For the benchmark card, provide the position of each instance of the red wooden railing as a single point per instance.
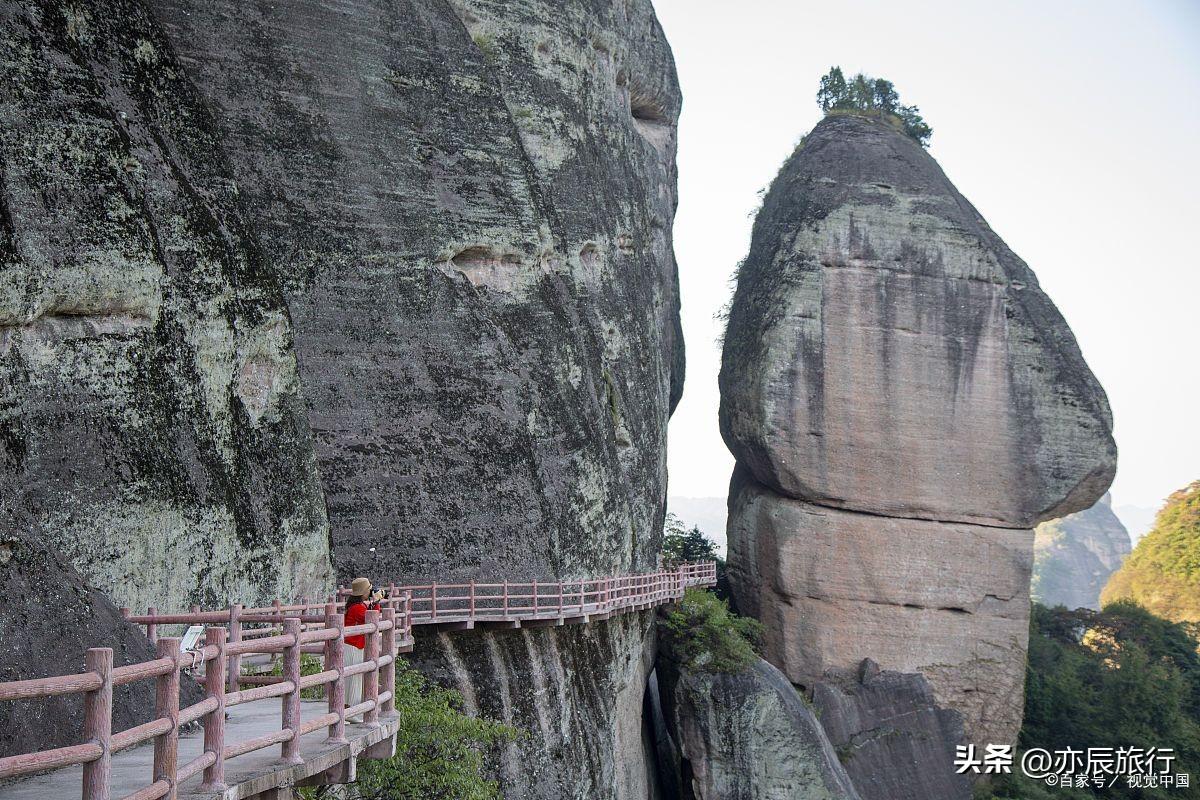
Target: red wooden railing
(290, 630)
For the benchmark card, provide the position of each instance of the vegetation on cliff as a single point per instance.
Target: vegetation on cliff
(1118, 678)
(439, 750)
(682, 544)
(702, 634)
(1163, 572)
(863, 94)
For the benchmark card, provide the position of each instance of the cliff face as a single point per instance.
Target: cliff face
(151, 421)
(894, 741)
(748, 736)
(904, 403)
(390, 285)
(1073, 557)
(483, 292)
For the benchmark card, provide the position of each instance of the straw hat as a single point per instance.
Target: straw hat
(360, 587)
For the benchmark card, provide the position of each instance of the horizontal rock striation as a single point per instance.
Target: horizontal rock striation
(904, 403)
(948, 600)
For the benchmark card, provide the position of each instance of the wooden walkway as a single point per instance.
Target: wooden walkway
(241, 713)
(257, 774)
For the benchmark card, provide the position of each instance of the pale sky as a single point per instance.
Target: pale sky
(1074, 128)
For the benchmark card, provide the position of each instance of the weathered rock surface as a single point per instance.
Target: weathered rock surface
(748, 736)
(893, 739)
(471, 205)
(50, 619)
(151, 422)
(886, 352)
(904, 403)
(1073, 557)
(392, 283)
(832, 587)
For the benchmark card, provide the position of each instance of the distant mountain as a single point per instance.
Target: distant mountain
(1138, 520)
(1075, 555)
(708, 513)
(1163, 573)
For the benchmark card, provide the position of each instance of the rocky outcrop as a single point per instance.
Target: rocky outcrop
(1073, 557)
(152, 427)
(904, 403)
(393, 278)
(946, 599)
(50, 619)
(893, 739)
(748, 736)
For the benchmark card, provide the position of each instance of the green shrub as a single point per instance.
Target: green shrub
(439, 749)
(869, 96)
(309, 665)
(681, 544)
(704, 635)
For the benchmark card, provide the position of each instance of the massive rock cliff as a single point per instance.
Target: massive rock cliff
(904, 403)
(390, 284)
(152, 427)
(1073, 557)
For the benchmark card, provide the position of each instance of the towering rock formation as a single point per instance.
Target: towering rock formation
(904, 404)
(390, 283)
(1073, 557)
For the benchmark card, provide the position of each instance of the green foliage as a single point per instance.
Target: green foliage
(704, 635)
(1121, 677)
(681, 543)
(863, 94)
(439, 749)
(1163, 571)
(309, 665)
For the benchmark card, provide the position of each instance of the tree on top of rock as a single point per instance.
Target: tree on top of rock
(863, 94)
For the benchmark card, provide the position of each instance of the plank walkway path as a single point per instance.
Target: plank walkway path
(241, 713)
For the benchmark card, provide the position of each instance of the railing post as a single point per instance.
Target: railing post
(152, 627)
(235, 635)
(371, 677)
(291, 700)
(276, 604)
(335, 660)
(472, 611)
(560, 593)
(214, 723)
(506, 597)
(535, 604)
(389, 674)
(433, 601)
(166, 706)
(97, 724)
(408, 614)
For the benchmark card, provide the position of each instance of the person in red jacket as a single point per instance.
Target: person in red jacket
(362, 598)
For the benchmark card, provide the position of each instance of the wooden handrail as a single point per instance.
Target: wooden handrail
(293, 629)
